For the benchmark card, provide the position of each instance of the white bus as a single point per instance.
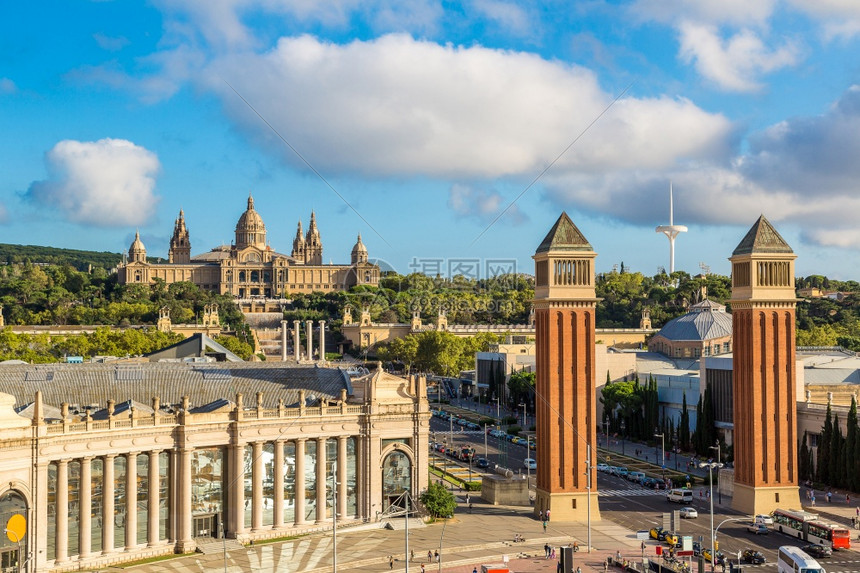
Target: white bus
(791, 559)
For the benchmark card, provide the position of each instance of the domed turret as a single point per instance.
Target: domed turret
(359, 252)
(137, 252)
(250, 230)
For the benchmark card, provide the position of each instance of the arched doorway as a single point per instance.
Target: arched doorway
(396, 479)
(13, 543)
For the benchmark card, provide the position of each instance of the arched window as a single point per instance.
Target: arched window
(396, 478)
(241, 276)
(13, 515)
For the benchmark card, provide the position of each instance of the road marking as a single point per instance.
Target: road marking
(630, 492)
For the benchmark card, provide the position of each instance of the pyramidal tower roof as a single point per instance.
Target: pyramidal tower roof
(564, 236)
(762, 238)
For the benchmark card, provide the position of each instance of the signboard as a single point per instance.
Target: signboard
(667, 521)
(687, 543)
(642, 535)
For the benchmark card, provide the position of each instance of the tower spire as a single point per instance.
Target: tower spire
(671, 231)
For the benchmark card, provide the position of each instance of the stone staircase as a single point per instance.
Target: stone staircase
(212, 546)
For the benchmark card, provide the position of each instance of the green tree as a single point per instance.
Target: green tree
(438, 500)
(521, 387)
(824, 452)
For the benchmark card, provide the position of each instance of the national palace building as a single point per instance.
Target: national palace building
(116, 462)
(249, 268)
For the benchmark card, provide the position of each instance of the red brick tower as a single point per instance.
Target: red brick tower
(765, 384)
(564, 335)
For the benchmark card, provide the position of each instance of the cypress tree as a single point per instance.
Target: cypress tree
(850, 467)
(835, 454)
(697, 436)
(684, 426)
(803, 460)
(823, 461)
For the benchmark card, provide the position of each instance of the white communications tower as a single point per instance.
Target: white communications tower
(671, 231)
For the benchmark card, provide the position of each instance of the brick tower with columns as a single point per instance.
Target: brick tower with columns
(764, 372)
(564, 306)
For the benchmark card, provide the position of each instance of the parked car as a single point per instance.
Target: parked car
(817, 550)
(720, 559)
(602, 467)
(689, 513)
(622, 472)
(753, 556)
(658, 533)
(758, 529)
(764, 519)
(482, 463)
(530, 463)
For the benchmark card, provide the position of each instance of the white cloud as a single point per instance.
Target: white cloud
(7, 86)
(482, 204)
(106, 183)
(109, 43)
(734, 64)
(398, 106)
(743, 13)
(506, 15)
(839, 18)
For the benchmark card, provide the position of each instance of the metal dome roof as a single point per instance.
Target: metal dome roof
(706, 320)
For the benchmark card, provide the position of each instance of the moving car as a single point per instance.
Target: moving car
(720, 560)
(658, 533)
(672, 539)
(764, 519)
(689, 513)
(482, 462)
(753, 556)
(758, 529)
(530, 463)
(817, 550)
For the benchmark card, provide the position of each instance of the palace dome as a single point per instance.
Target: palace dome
(250, 229)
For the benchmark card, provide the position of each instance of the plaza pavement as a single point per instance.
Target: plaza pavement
(469, 540)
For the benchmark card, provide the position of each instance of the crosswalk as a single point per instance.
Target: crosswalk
(631, 492)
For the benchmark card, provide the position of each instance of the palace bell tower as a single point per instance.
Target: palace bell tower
(565, 303)
(764, 372)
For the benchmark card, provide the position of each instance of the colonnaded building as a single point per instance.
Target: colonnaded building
(109, 463)
(249, 268)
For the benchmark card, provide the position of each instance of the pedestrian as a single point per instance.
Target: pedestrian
(579, 570)
(541, 515)
(544, 526)
(474, 570)
(857, 511)
(436, 555)
(606, 565)
(422, 568)
(813, 500)
(552, 555)
(547, 515)
(546, 550)
(412, 555)
(429, 555)
(391, 561)
(847, 499)
(829, 495)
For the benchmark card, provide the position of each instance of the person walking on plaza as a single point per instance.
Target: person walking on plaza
(547, 515)
(436, 555)
(391, 561)
(429, 555)
(546, 550)
(544, 526)
(541, 515)
(422, 568)
(412, 555)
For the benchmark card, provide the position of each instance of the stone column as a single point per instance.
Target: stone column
(321, 480)
(257, 487)
(296, 340)
(108, 504)
(342, 466)
(278, 509)
(86, 509)
(361, 502)
(309, 333)
(130, 501)
(300, 481)
(62, 511)
(185, 534)
(322, 341)
(154, 492)
(283, 341)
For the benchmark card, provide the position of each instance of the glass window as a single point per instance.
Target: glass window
(268, 483)
(142, 462)
(164, 496)
(119, 494)
(396, 478)
(97, 486)
(52, 511)
(289, 482)
(351, 477)
(207, 481)
(74, 511)
(310, 480)
(249, 489)
(12, 503)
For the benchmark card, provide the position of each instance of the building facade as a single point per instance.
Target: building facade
(104, 481)
(250, 268)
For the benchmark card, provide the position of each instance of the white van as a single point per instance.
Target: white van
(680, 495)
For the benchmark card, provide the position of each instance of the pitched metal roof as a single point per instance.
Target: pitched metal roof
(705, 321)
(93, 383)
(564, 236)
(762, 238)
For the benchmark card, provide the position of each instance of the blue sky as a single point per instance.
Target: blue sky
(427, 120)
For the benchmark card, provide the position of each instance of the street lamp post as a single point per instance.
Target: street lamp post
(663, 449)
(719, 461)
(622, 437)
(523, 406)
(711, 467)
(18, 541)
(498, 413)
